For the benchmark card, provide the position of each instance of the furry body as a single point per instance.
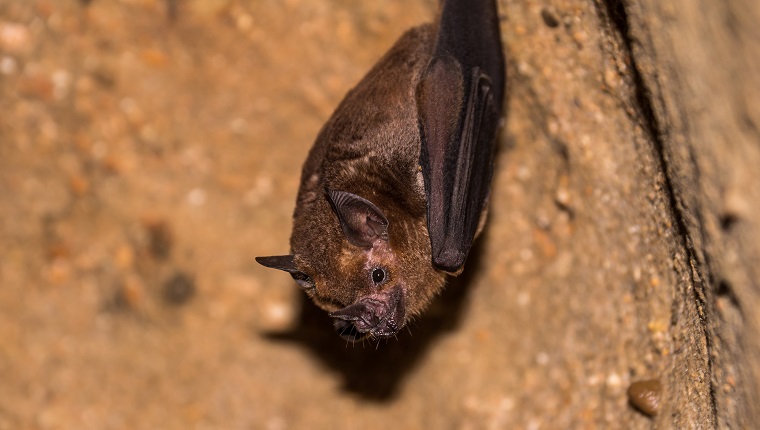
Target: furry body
(395, 189)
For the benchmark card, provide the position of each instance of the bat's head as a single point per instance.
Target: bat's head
(370, 268)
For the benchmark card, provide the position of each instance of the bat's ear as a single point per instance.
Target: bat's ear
(361, 221)
(287, 263)
(280, 262)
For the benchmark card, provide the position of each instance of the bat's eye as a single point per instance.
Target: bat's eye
(303, 280)
(378, 276)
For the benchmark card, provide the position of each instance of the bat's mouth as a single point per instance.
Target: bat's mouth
(379, 315)
(348, 331)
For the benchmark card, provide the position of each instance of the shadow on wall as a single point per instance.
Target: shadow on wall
(374, 370)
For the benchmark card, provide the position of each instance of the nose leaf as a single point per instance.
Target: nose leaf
(380, 314)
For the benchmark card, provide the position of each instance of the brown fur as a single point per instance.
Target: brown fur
(395, 189)
(370, 147)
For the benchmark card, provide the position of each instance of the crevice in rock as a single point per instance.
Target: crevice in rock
(614, 14)
(728, 220)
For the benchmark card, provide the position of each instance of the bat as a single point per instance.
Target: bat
(395, 189)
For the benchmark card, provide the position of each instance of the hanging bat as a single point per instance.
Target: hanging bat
(395, 189)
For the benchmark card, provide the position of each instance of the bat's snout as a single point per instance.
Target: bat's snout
(380, 314)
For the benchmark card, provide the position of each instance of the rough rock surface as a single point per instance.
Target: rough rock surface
(149, 149)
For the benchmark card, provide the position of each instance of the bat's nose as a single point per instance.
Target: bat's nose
(380, 314)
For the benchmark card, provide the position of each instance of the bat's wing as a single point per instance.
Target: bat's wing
(459, 100)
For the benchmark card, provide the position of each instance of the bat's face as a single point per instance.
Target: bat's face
(368, 267)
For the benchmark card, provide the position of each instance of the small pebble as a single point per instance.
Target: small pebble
(8, 65)
(179, 289)
(61, 80)
(550, 19)
(277, 315)
(523, 299)
(196, 197)
(160, 239)
(645, 396)
(130, 294)
(15, 38)
(613, 380)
